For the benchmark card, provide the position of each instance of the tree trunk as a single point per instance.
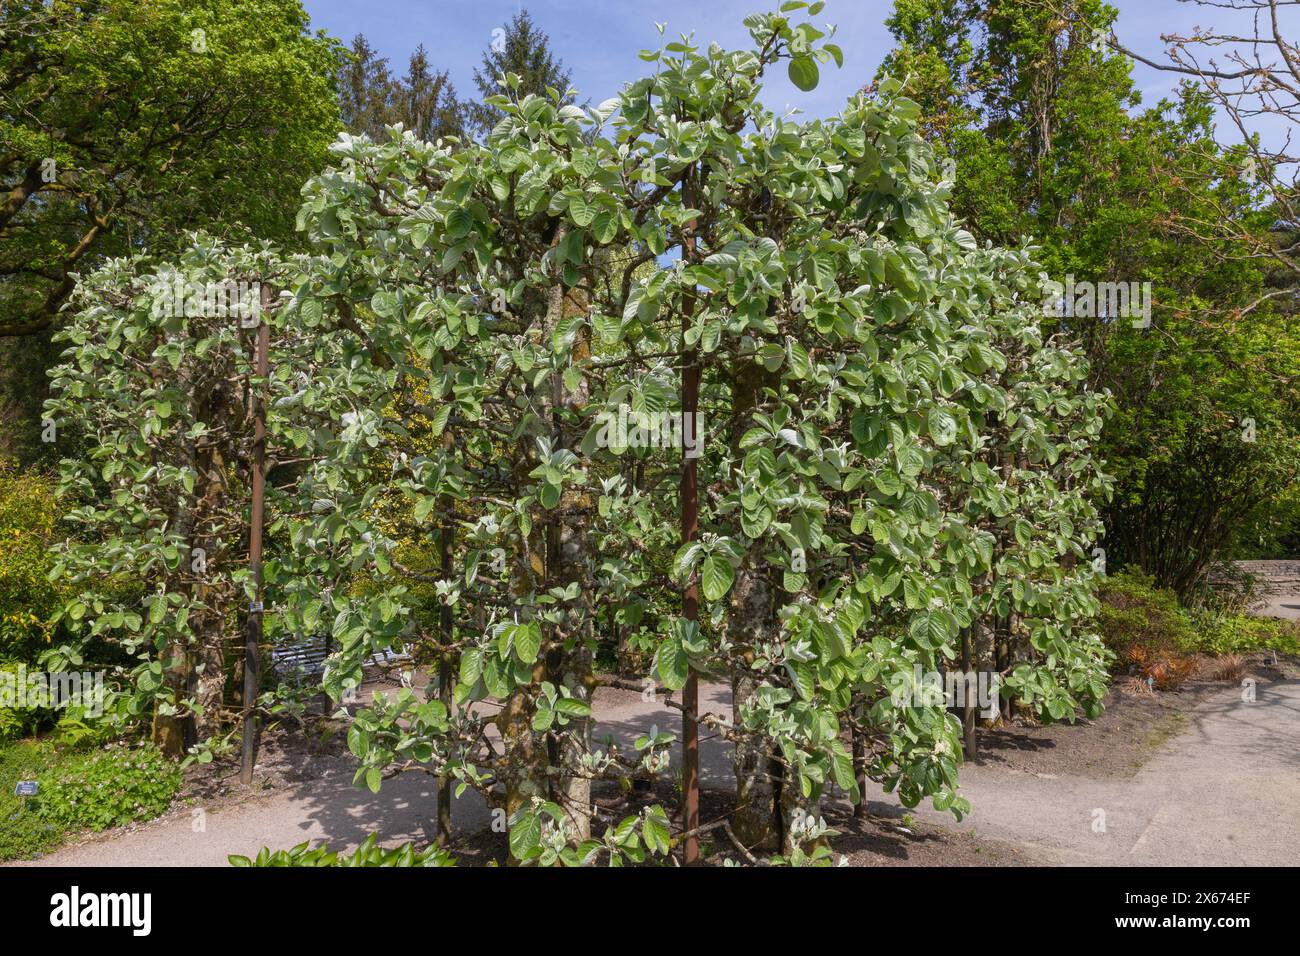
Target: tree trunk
(860, 762)
(209, 682)
(445, 671)
(969, 707)
(756, 822)
(574, 791)
(170, 731)
(209, 677)
(524, 764)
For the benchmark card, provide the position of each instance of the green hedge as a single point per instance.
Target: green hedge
(1236, 633)
(1134, 612)
(1141, 622)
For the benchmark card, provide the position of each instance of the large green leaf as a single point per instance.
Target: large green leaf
(804, 73)
(716, 577)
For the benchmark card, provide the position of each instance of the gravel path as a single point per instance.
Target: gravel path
(1226, 790)
(333, 810)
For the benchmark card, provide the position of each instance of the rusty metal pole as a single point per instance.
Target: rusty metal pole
(446, 671)
(253, 630)
(690, 531)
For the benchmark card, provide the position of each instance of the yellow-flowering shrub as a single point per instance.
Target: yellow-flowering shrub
(28, 515)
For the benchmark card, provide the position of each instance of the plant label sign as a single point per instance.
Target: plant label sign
(26, 788)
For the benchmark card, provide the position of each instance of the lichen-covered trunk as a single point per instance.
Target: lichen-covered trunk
(209, 675)
(555, 553)
(567, 561)
(170, 730)
(209, 622)
(797, 811)
(572, 668)
(574, 790)
(523, 767)
(755, 821)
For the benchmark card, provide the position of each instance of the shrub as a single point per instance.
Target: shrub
(1237, 633)
(1136, 612)
(18, 722)
(1148, 630)
(77, 731)
(367, 854)
(1170, 673)
(1229, 667)
(848, 492)
(1152, 634)
(28, 601)
(112, 787)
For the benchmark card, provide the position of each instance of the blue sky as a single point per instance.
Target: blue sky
(599, 39)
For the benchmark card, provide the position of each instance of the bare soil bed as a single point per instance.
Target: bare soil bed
(287, 756)
(870, 841)
(1134, 724)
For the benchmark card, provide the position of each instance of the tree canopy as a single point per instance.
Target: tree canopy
(495, 358)
(896, 468)
(520, 47)
(1041, 119)
(123, 124)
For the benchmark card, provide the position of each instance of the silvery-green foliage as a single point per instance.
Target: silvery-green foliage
(913, 460)
(904, 366)
(156, 427)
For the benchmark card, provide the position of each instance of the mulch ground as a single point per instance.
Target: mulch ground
(1135, 722)
(868, 841)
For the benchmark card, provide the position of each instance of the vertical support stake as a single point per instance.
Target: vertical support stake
(253, 630)
(690, 531)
